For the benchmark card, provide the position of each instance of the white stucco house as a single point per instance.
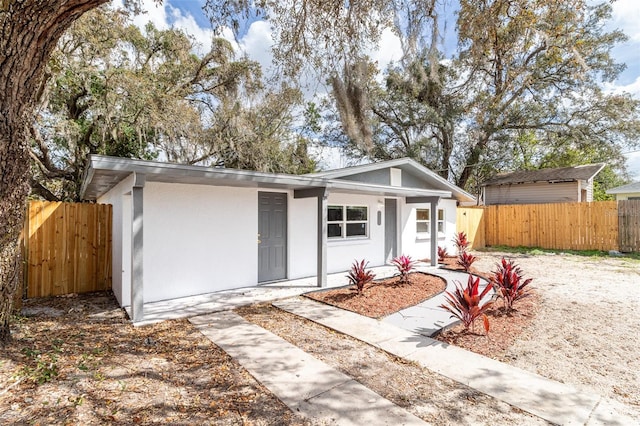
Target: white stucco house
(181, 230)
(626, 192)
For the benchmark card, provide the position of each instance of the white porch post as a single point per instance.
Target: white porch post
(322, 240)
(434, 232)
(137, 253)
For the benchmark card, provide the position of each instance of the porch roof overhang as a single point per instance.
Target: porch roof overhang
(103, 173)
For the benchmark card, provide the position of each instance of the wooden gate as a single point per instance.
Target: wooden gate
(629, 225)
(67, 248)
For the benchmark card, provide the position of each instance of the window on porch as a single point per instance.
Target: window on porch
(347, 221)
(423, 222)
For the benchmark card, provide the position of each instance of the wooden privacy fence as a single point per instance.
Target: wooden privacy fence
(471, 221)
(562, 226)
(629, 225)
(67, 248)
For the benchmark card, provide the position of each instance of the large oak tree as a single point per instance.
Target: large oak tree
(29, 32)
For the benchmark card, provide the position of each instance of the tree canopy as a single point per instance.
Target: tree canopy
(114, 89)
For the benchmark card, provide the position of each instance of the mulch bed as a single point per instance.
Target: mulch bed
(451, 263)
(384, 297)
(504, 329)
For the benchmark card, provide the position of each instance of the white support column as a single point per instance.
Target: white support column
(137, 252)
(322, 240)
(434, 232)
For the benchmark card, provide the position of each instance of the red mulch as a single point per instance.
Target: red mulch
(504, 328)
(384, 297)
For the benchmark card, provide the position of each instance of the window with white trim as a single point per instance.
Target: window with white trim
(347, 221)
(423, 222)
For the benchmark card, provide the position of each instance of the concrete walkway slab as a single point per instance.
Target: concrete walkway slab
(427, 318)
(553, 401)
(305, 384)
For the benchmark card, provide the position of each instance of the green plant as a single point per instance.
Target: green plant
(466, 260)
(465, 303)
(442, 253)
(359, 276)
(405, 265)
(508, 282)
(461, 242)
(46, 366)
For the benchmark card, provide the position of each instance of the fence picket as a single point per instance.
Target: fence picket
(68, 247)
(561, 226)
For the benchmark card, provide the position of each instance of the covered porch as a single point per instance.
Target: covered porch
(186, 307)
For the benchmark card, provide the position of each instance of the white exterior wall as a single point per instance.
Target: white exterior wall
(419, 247)
(627, 195)
(342, 253)
(198, 239)
(532, 193)
(302, 235)
(120, 240)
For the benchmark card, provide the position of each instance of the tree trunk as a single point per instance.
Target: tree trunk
(29, 31)
(472, 160)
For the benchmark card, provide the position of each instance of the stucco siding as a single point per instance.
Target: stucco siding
(419, 246)
(198, 239)
(120, 246)
(342, 252)
(303, 229)
(532, 193)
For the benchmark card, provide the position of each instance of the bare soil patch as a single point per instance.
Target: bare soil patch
(79, 361)
(383, 297)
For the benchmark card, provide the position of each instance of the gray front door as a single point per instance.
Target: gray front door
(272, 236)
(390, 229)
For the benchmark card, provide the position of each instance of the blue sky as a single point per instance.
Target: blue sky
(256, 41)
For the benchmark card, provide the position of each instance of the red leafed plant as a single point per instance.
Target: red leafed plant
(466, 260)
(359, 276)
(465, 305)
(461, 242)
(442, 253)
(508, 282)
(405, 265)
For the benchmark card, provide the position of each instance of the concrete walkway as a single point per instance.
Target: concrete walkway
(306, 385)
(427, 318)
(553, 401)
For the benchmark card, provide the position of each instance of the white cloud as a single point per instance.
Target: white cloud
(388, 50)
(164, 16)
(633, 164)
(626, 16)
(633, 88)
(257, 44)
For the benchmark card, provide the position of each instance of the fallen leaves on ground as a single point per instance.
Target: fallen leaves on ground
(77, 360)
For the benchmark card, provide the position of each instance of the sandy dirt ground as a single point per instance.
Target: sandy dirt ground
(587, 331)
(79, 361)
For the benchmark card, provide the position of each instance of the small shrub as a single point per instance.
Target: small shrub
(442, 253)
(466, 260)
(461, 242)
(359, 276)
(404, 265)
(508, 282)
(464, 303)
